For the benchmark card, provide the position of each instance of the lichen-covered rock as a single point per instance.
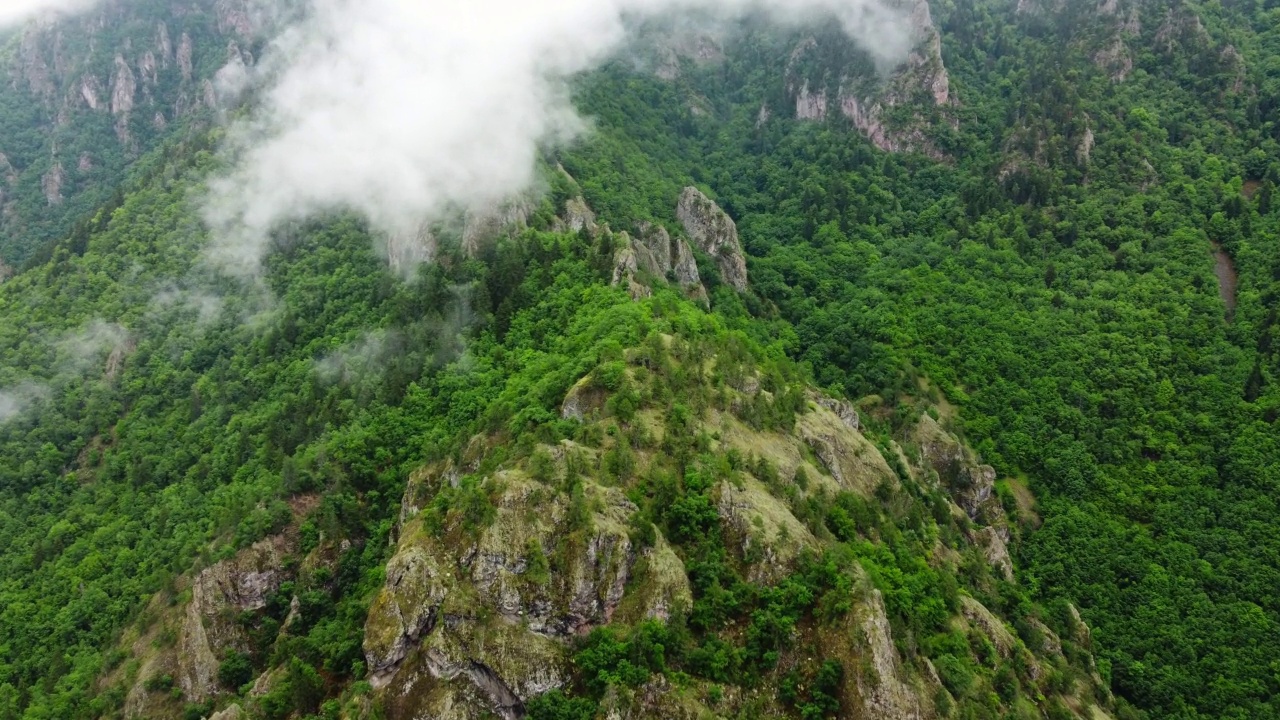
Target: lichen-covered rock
(417, 584)
(854, 462)
(653, 252)
(764, 527)
(843, 410)
(970, 483)
(484, 225)
(989, 625)
(231, 712)
(995, 549)
(218, 595)
(578, 216)
(887, 693)
(484, 624)
(715, 233)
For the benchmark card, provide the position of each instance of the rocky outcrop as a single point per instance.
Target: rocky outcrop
(921, 82)
(852, 460)
(578, 216)
(811, 105)
(186, 54)
(887, 692)
(124, 88)
(236, 16)
(232, 712)
(652, 254)
(486, 618)
(407, 250)
(765, 528)
(714, 232)
(142, 63)
(971, 484)
(218, 595)
(51, 184)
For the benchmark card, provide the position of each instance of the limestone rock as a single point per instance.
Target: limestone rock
(483, 225)
(971, 483)
(218, 595)
(407, 250)
(653, 252)
(854, 462)
(186, 56)
(986, 622)
(715, 233)
(764, 527)
(416, 585)
(888, 694)
(51, 183)
(579, 216)
(232, 712)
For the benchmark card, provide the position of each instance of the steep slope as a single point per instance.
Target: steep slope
(715, 539)
(86, 96)
(599, 457)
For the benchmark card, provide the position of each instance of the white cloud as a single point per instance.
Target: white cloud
(406, 109)
(14, 12)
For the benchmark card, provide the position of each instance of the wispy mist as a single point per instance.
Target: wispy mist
(403, 109)
(14, 12)
(16, 399)
(97, 347)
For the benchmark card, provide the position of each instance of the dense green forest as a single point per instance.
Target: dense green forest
(89, 97)
(1048, 270)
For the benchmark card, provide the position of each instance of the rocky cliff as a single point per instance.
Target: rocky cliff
(713, 232)
(88, 94)
(516, 571)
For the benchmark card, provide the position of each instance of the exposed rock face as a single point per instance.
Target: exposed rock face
(980, 617)
(51, 184)
(90, 91)
(654, 253)
(763, 524)
(186, 53)
(578, 216)
(889, 695)
(845, 453)
(1085, 149)
(232, 712)
(921, 82)
(715, 233)
(971, 484)
(811, 106)
(218, 595)
(483, 226)
(140, 62)
(484, 623)
(124, 87)
(406, 251)
(234, 16)
(843, 410)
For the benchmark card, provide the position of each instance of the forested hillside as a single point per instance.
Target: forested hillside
(989, 427)
(85, 97)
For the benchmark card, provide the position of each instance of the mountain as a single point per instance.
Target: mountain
(798, 387)
(87, 96)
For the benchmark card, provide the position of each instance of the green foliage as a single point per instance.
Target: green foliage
(1068, 307)
(235, 670)
(555, 705)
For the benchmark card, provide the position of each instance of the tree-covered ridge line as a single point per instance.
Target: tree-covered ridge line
(1078, 326)
(1063, 301)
